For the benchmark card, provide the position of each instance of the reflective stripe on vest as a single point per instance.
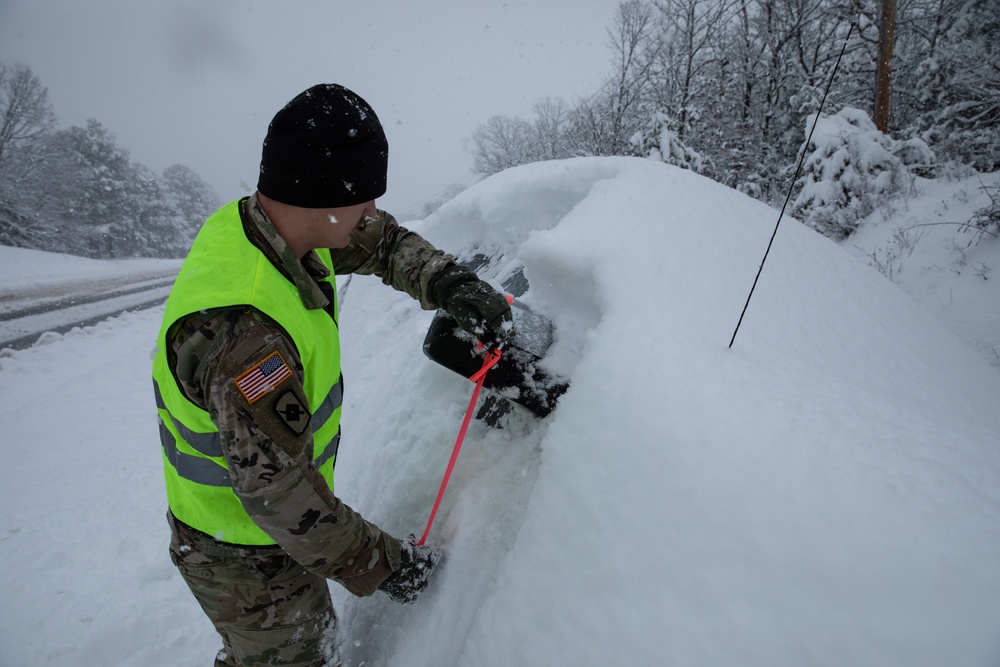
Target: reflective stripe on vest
(224, 269)
(208, 472)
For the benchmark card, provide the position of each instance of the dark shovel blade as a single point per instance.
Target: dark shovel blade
(517, 376)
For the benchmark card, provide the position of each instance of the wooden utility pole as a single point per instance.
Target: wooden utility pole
(883, 68)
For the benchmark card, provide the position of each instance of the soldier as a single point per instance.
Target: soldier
(248, 387)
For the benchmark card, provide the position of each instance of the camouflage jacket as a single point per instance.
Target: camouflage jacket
(270, 453)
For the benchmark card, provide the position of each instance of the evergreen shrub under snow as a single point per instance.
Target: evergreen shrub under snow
(849, 168)
(659, 140)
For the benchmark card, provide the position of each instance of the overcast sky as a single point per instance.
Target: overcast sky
(196, 81)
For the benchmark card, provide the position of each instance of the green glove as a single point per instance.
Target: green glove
(475, 305)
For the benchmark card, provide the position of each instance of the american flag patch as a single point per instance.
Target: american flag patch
(263, 377)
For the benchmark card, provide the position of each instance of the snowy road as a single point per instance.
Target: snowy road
(26, 313)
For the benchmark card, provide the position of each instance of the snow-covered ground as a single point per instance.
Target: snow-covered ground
(826, 492)
(33, 274)
(923, 244)
(42, 292)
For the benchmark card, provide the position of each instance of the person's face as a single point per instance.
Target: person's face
(335, 225)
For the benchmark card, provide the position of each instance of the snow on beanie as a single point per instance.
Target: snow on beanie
(324, 149)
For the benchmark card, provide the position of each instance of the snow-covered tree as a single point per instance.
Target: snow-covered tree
(958, 84)
(549, 129)
(185, 202)
(502, 142)
(26, 119)
(189, 194)
(109, 200)
(738, 79)
(77, 191)
(849, 168)
(604, 123)
(660, 140)
(686, 54)
(26, 114)
(39, 187)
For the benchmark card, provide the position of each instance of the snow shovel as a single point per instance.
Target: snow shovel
(516, 377)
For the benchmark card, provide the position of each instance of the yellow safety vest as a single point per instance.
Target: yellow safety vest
(224, 269)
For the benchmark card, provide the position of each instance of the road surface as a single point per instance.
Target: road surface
(26, 313)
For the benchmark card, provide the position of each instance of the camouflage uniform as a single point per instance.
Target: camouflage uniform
(271, 604)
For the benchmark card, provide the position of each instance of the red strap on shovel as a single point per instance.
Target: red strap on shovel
(490, 359)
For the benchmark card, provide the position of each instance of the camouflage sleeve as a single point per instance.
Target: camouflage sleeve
(269, 450)
(401, 258)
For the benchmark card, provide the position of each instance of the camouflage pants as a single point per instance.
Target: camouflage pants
(268, 609)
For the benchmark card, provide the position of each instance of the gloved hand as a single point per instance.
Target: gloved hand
(406, 583)
(475, 305)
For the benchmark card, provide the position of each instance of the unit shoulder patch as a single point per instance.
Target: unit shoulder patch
(263, 377)
(292, 412)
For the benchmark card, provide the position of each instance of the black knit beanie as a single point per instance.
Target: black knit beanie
(324, 149)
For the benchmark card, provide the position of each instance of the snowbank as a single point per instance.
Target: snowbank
(23, 268)
(823, 493)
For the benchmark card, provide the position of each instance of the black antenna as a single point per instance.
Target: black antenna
(798, 170)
